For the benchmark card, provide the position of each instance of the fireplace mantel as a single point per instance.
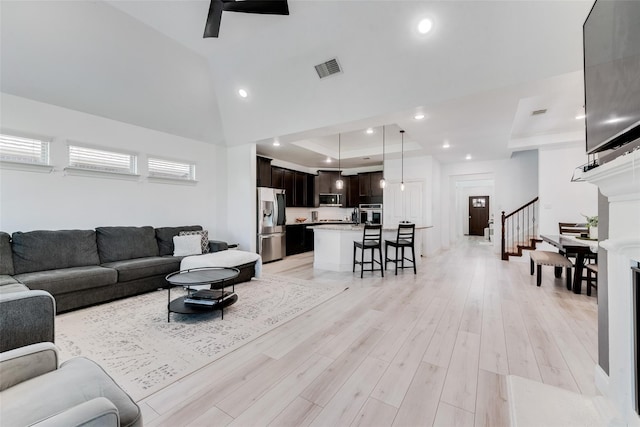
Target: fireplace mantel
(619, 181)
(620, 178)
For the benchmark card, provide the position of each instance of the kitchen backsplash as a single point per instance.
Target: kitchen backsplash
(324, 213)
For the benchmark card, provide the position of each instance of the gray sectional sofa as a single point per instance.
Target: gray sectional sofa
(80, 268)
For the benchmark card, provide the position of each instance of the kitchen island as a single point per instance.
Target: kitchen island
(333, 244)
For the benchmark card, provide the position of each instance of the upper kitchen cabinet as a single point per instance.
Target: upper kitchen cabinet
(311, 191)
(277, 177)
(369, 186)
(290, 188)
(298, 186)
(326, 182)
(376, 191)
(364, 184)
(352, 182)
(263, 173)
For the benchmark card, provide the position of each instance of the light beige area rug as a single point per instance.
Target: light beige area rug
(133, 342)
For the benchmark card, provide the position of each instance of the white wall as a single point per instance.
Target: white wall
(30, 201)
(515, 183)
(425, 170)
(560, 199)
(463, 195)
(241, 196)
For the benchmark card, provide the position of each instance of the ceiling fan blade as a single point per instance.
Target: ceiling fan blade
(212, 27)
(268, 7)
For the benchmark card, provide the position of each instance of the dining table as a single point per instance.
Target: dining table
(573, 245)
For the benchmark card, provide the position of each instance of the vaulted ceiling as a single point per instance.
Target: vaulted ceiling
(476, 77)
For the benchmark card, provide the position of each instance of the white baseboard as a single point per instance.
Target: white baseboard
(601, 380)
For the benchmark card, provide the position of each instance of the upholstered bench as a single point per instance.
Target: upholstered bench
(592, 277)
(553, 259)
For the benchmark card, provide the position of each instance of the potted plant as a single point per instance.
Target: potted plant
(592, 224)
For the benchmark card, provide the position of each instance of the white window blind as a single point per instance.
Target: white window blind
(23, 150)
(160, 168)
(101, 160)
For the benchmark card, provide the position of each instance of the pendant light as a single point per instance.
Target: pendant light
(339, 183)
(402, 167)
(383, 183)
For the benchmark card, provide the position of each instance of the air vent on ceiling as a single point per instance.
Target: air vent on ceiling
(538, 112)
(328, 68)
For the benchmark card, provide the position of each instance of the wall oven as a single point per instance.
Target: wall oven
(371, 213)
(332, 199)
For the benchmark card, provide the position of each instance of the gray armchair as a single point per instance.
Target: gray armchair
(34, 390)
(26, 317)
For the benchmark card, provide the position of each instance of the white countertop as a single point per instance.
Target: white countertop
(359, 227)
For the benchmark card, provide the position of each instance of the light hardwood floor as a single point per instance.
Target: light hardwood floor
(406, 350)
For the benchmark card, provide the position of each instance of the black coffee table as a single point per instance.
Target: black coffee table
(206, 300)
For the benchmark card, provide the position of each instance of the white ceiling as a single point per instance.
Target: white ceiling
(477, 76)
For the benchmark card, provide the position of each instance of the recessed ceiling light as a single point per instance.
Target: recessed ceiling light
(328, 160)
(369, 131)
(580, 116)
(446, 144)
(468, 157)
(276, 143)
(419, 116)
(425, 26)
(243, 93)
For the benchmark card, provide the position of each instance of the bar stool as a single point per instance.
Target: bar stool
(371, 239)
(404, 239)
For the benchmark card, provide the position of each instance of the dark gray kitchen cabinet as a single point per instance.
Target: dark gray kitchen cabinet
(299, 239)
(277, 177)
(263, 172)
(352, 182)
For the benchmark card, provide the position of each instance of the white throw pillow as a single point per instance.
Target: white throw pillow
(205, 238)
(187, 245)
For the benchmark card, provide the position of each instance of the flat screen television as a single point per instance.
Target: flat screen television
(611, 35)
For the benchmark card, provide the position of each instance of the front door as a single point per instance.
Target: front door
(478, 215)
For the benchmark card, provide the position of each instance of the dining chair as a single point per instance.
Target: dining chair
(576, 229)
(371, 239)
(404, 239)
(573, 228)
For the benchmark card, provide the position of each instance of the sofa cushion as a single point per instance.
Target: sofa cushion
(120, 243)
(50, 250)
(8, 285)
(217, 246)
(6, 257)
(76, 381)
(165, 235)
(69, 279)
(133, 269)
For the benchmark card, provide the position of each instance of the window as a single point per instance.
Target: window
(160, 168)
(94, 159)
(24, 150)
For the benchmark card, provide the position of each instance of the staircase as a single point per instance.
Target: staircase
(520, 230)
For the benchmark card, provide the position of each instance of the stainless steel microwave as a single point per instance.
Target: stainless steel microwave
(333, 199)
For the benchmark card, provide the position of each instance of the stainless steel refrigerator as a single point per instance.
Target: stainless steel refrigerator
(271, 223)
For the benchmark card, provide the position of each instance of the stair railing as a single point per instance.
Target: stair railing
(520, 229)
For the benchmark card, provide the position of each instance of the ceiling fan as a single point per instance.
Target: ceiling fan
(268, 7)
